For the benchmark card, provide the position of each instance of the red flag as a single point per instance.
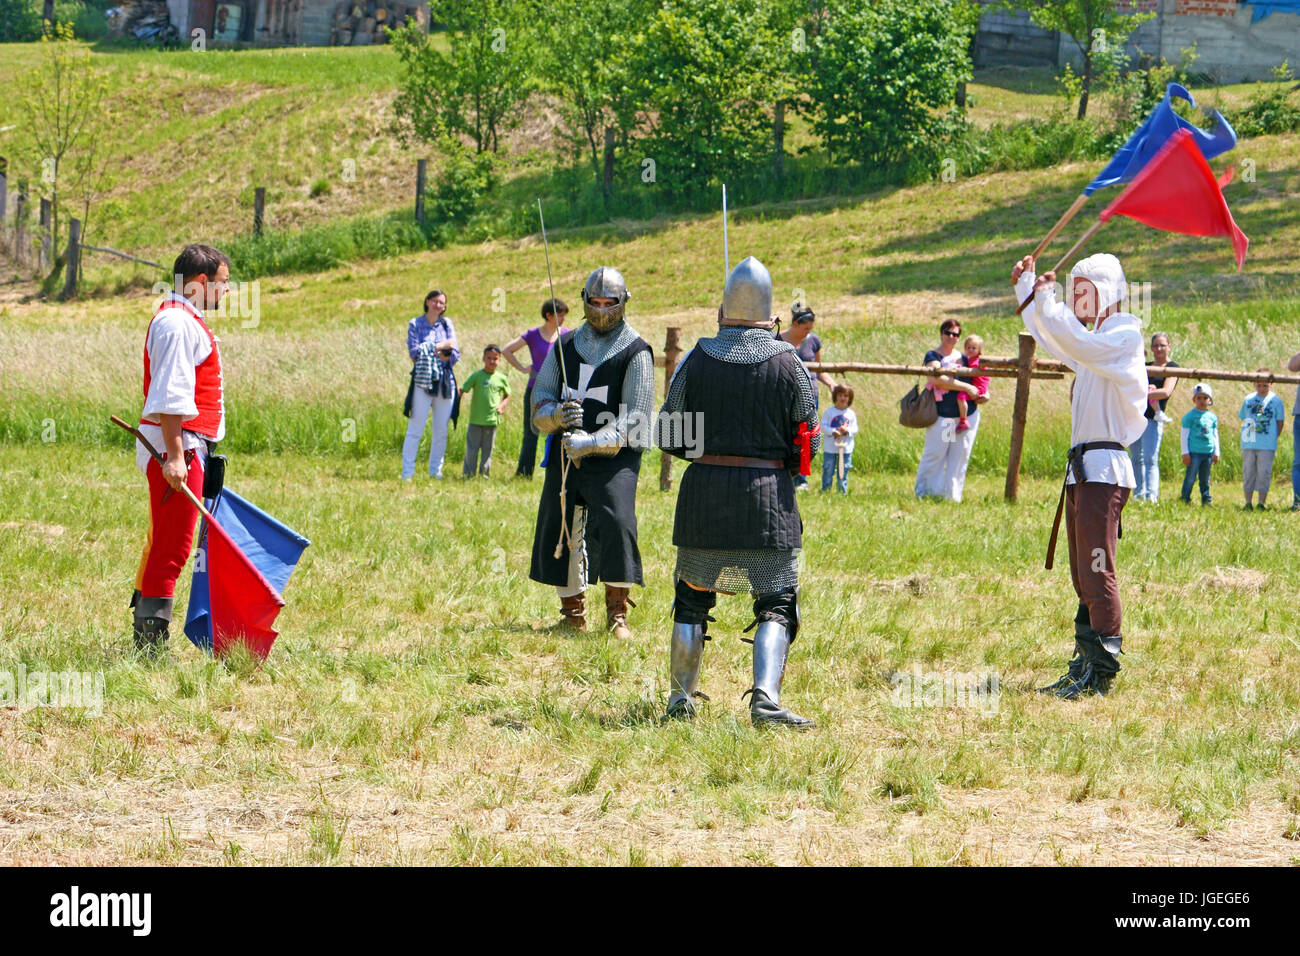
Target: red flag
(244, 604)
(1178, 192)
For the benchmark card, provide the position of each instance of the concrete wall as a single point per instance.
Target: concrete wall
(1007, 38)
(1229, 46)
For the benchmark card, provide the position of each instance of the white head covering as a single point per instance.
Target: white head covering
(1104, 271)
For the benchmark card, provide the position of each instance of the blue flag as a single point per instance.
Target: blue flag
(272, 547)
(1263, 8)
(1146, 141)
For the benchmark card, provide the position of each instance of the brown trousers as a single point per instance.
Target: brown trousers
(1092, 511)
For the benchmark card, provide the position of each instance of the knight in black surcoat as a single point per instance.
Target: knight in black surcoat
(737, 523)
(603, 420)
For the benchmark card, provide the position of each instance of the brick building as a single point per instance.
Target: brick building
(1235, 39)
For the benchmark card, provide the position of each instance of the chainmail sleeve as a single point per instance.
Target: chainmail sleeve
(546, 388)
(637, 416)
(669, 434)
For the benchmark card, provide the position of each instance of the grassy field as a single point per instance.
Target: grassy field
(416, 709)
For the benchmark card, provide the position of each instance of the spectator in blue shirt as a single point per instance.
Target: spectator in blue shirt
(1261, 425)
(432, 346)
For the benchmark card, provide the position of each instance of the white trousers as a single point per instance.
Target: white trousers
(942, 470)
(422, 403)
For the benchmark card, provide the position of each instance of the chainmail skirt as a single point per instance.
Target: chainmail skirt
(758, 571)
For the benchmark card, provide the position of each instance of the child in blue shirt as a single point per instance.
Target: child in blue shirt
(1261, 423)
(1200, 442)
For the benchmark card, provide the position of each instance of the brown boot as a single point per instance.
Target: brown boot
(616, 604)
(573, 613)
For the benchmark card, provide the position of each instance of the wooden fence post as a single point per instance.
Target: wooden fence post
(20, 202)
(1024, 366)
(672, 352)
(421, 172)
(73, 264)
(47, 240)
(259, 209)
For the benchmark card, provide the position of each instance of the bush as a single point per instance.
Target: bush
(465, 180)
(20, 21)
(1031, 144)
(884, 73)
(323, 247)
(1271, 109)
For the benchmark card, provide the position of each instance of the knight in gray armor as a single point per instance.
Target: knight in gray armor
(737, 524)
(602, 423)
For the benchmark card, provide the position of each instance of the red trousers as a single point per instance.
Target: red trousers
(1092, 512)
(171, 530)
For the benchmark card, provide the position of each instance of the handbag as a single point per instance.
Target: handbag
(410, 395)
(917, 409)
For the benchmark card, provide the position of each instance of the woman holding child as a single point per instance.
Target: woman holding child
(950, 440)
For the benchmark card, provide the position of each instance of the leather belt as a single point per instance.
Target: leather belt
(1074, 459)
(738, 461)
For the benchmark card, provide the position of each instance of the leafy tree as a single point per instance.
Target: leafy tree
(61, 105)
(19, 22)
(476, 87)
(884, 71)
(583, 61)
(696, 72)
(1099, 28)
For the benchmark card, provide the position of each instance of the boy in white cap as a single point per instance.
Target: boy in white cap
(1200, 442)
(1107, 406)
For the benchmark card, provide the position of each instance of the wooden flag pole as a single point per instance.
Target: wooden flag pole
(1064, 259)
(1061, 224)
(159, 458)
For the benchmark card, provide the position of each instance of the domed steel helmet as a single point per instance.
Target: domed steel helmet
(605, 283)
(747, 297)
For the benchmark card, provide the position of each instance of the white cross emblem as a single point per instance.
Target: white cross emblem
(583, 393)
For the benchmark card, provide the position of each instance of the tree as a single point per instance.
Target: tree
(476, 87)
(696, 73)
(1097, 27)
(885, 72)
(60, 105)
(583, 62)
(18, 21)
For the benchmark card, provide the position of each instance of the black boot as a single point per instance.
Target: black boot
(1100, 665)
(1074, 669)
(150, 625)
(770, 646)
(151, 635)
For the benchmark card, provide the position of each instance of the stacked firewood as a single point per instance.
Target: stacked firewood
(361, 22)
(134, 18)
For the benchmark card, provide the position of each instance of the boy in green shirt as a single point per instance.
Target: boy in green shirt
(491, 395)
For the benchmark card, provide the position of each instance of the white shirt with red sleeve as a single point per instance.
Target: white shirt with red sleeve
(177, 345)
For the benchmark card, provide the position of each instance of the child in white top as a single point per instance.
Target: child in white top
(839, 425)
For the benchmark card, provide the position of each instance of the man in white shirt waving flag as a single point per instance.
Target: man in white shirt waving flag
(184, 416)
(1107, 405)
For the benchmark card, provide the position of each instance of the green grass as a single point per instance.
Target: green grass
(416, 710)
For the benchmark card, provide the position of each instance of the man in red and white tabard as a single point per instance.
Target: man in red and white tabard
(184, 416)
